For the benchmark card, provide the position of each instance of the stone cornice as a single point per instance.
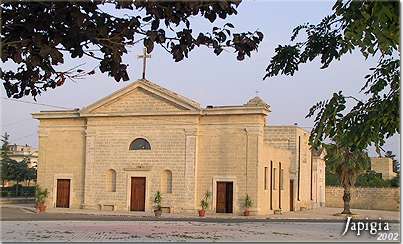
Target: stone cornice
(56, 114)
(235, 110)
(205, 112)
(176, 113)
(138, 168)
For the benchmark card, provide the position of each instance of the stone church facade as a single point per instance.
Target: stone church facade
(118, 152)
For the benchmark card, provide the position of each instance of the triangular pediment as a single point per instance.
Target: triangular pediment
(141, 97)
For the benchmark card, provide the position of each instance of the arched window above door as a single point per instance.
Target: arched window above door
(140, 144)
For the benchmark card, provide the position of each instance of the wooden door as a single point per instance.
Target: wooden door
(221, 190)
(291, 195)
(63, 193)
(138, 194)
(228, 200)
(224, 197)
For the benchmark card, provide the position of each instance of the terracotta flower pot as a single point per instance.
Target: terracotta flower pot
(40, 207)
(157, 212)
(246, 212)
(202, 213)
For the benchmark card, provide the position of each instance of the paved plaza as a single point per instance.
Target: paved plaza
(138, 231)
(22, 224)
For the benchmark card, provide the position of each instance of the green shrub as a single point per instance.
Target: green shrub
(395, 182)
(331, 179)
(368, 179)
(157, 200)
(24, 191)
(371, 179)
(41, 194)
(248, 202)
(205, 202)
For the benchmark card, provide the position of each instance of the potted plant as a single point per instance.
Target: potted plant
(204, 203)
(247, 204)
(157, 204)
(40, 199)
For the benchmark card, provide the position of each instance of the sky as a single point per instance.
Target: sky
(215, 80)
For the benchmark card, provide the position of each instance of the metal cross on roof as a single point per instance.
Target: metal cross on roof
(144, 56)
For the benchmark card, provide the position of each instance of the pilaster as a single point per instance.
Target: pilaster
(88, 201)
(190, 168)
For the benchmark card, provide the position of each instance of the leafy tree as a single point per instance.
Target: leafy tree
(5, 151)
(31, 174)
(5, 159)
(5, 171)
(373, 28)
(38, 35)
(18, 173)
(11, 170)
(347, 164)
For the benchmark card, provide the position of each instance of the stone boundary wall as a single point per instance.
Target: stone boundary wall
(365, 198)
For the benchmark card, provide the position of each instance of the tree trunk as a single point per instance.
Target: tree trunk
(346, 199)
(16, 189)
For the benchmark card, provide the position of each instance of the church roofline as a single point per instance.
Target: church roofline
(232, 107)
(236, 110)
(193, 107)
(173, 94)
(148, 85)
(289, 126)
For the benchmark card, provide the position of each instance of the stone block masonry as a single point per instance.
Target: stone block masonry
(191, 150)
(365, 198)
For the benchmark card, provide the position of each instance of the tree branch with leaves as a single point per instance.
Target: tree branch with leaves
(373, 28)
(38, 36)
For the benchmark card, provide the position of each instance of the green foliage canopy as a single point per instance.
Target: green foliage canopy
(38, 35)
(347, 165)
(373, 28)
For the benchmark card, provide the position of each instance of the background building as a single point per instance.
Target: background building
(21, 152)
(384, 166)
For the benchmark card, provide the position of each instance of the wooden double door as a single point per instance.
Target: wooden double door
(224, 197)
(138, 194)
(63, 193)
